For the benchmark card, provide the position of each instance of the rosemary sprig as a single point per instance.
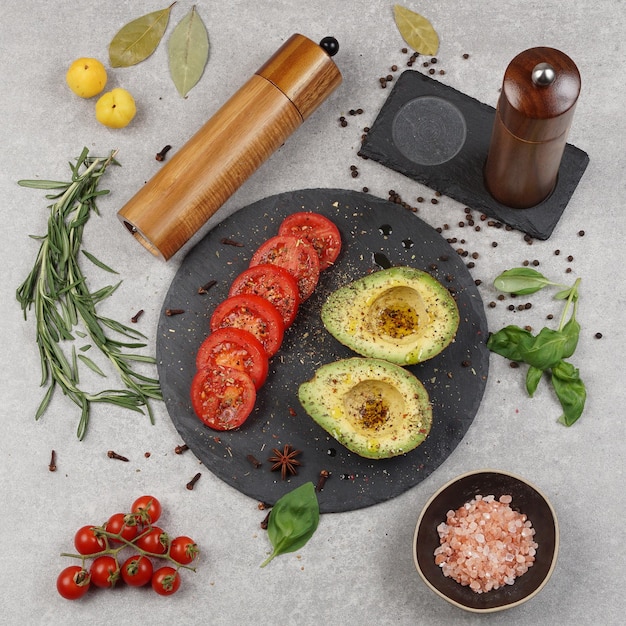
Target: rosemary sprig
(56, 288)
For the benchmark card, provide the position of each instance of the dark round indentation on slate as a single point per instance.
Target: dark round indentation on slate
(455, 379)
(429, 130)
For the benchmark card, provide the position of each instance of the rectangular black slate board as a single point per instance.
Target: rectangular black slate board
(461, 177)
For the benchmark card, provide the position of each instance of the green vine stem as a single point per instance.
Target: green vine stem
(125, 543)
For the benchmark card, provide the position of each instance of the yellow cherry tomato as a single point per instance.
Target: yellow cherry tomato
(86, 77)
(116, 108)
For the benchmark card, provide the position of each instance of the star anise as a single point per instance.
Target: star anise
(285, 461)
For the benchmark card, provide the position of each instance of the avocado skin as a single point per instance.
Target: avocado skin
(348, 315)
(345, 398)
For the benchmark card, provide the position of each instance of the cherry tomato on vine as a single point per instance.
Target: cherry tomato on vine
(272, 282)
(166, 581)
(148, 508)
(183, 550)
(137, 570)
(297, 256)
(87, 542)
(318, 230)
(155, 541)
(237, 348)
(104, 571)
(254, 314)
(73, 582)
(118, 526)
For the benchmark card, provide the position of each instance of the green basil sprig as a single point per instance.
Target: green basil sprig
(293, 520)
(546, 351)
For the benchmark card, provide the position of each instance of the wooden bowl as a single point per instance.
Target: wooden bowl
(527, 499)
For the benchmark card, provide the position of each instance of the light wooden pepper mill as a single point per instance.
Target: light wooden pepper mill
(534, 113)
(171, 207)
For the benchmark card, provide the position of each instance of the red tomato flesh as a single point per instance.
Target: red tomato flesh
(294, 254)
(236, 348)
(317, 230)
(254, 314)
(275, 284)
(222, 397)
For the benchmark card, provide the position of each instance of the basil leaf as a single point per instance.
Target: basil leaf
(521, 281)
(188, 50)
(533, 376)
(293, 520)
(138, 39)
(570, 390)
(564, 294)
(571, 330)
(546, 349)
(510, 342)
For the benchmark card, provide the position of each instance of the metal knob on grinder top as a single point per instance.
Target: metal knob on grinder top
(175, 203)
(533, 117)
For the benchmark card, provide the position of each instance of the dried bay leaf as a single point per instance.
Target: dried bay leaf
(416, 30)
(188, 49)
(138, 39)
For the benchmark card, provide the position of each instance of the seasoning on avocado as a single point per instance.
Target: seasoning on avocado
(400, 314)
(374, 408)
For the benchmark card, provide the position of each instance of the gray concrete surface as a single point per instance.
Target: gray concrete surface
(358, 568)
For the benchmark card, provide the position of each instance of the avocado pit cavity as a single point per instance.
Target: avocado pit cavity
(372, 404)
(398, 315)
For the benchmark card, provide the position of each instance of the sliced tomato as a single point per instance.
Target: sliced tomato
(294, 254)
(317, 230)
(236, 348)
(272, 282)
(254, 314)
(222, 397)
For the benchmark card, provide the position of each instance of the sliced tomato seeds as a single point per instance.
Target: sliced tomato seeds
(247, 327)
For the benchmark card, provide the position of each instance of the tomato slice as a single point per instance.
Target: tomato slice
(294, 254)
(222, 397)
(318, 230)
(272, 282)
(236, 348)
(254, 314)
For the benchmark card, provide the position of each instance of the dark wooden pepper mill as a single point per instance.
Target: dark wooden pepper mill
(534, 113)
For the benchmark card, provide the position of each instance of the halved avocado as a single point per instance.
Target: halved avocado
(374, 408)
(401, 314)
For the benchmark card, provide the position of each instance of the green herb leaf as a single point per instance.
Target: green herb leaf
(138, 39)
(521, 281)
(570, 391)
(547, 348)
(533, 376)
(98, 263)
(571, 332)
(57, 290)
(510, 342)
(293, 520)
(188, 49)
(416, 30)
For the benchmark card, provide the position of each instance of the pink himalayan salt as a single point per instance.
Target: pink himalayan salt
(485, 544)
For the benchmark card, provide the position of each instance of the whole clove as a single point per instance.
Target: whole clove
(160, 156)
(135, 318)
(114, 455)
(205, 288)
(191, 484)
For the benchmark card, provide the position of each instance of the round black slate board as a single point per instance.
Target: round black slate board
(373, 230)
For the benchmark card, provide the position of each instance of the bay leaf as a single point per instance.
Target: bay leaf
(188, 50)
(416, 30)
(138, 39)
